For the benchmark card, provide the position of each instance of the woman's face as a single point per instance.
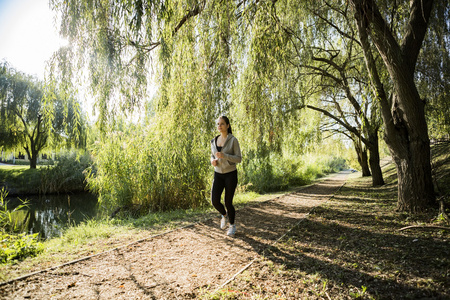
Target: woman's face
(222, 126)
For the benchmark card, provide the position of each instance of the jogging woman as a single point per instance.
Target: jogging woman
(225, 154)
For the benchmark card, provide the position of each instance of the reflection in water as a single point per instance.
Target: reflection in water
(48, 215)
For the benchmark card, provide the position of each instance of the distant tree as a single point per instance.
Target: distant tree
(26, 118)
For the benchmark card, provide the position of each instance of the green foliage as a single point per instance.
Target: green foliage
(142, 169)
(7, 223)
(277, 173)
(19, 247)
(67, 174)
(433, 72)
(12, 246)
(33, 115)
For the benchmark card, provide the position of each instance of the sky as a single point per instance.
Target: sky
(28, 35)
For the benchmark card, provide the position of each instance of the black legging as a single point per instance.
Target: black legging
(227, 181)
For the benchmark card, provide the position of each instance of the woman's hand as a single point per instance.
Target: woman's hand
(214, 162)
(219, 155)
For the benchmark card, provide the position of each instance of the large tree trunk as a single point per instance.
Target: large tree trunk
(32, 155)
(415, 187)
(33, 161)
(361, 152)
(410, 150)
(406, 131)
(374, 160)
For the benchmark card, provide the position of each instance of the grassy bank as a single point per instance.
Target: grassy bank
(20, 179)
(353, 247)
(62, 176)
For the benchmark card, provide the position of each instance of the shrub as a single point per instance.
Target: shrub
(146, 171)
(18, 247)
(14, 247)
(277, 172)
(67, 174)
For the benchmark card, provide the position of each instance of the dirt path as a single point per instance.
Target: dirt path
(181, 263)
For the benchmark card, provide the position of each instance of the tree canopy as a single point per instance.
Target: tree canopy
(263, 61)
(33, 116)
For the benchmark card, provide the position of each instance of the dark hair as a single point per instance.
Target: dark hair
(226, 122)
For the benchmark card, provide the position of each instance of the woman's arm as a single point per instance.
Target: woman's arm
(213, 158)
(236, 157)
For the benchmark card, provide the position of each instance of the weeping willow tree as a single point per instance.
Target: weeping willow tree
(320, 54)
(25, 117)
(246, 58)
(433, 72)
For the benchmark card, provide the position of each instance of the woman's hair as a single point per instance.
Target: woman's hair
(226, 122)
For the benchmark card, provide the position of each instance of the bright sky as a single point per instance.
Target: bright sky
(28, 35)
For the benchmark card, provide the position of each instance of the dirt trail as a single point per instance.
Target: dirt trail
(181, 263)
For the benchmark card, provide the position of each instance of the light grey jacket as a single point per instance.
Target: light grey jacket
(232, 153)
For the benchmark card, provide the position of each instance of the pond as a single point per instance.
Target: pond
(49, 215)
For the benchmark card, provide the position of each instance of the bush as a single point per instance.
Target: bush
(67, 175)
(276, 172)
(148, 172)
(18, 247)
(14, 247)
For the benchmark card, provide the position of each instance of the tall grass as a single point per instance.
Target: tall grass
(147, 169)
(146, 172)
(67, 174)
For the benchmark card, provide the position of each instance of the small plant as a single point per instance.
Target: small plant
(7, 223)
(14, 247)
(359, 293)
(19, 247)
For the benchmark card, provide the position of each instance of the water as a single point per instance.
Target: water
(49, 215)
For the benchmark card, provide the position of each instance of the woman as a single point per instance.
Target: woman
(225, 154)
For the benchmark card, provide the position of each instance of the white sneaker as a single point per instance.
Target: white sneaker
(223, 222)
(231, 230)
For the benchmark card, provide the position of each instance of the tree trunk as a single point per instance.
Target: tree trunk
(32, 154)
(374, 160)
(410, 151)
(361, 152)
(406, 131)
(415, 187)
(33, 162)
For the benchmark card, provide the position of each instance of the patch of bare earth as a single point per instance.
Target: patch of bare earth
(181, 264)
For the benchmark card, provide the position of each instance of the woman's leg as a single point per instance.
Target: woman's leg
(216, 192)
(231, 181)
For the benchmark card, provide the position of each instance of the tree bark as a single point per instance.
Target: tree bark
(374, 160)
(361, 152)
(36, 141)
(33, 161)
(406, 131)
